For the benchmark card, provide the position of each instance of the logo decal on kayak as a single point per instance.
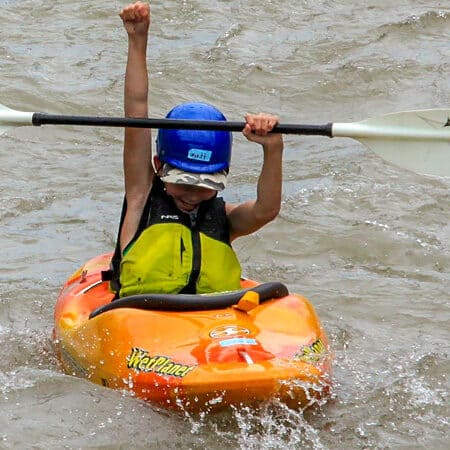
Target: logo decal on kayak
(227, 331)
(312, 353)
(237, 341)
(141, 361)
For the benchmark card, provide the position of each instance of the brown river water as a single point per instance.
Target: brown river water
(368, 243)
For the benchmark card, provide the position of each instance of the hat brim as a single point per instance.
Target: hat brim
(216, 181)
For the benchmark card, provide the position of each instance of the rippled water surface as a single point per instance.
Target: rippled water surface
(366, 242)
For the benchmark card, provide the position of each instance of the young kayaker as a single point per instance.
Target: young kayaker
(175, 234)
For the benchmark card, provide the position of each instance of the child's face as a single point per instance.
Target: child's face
(186, 197)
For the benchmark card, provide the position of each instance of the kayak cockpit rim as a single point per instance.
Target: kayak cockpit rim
(193, 302)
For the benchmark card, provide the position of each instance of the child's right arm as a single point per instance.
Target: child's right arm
(137, 155)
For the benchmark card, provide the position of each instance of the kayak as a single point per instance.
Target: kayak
(193, 352)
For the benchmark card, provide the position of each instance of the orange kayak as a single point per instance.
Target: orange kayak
(193, 353)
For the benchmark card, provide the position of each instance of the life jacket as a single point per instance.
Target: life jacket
(171, 254)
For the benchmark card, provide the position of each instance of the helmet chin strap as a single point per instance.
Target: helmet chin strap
(157, 164)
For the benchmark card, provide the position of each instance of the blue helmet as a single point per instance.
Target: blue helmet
(195, 150)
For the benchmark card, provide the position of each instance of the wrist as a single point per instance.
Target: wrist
(138, 38)
(273, 147)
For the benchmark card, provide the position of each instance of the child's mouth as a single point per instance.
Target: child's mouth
(187, 207)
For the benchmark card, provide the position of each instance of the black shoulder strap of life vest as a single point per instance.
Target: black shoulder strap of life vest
(113, 274)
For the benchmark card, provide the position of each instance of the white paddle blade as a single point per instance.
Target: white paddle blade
(416, 140)
(11, 118)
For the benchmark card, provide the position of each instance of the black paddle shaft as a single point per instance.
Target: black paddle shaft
(213, 125)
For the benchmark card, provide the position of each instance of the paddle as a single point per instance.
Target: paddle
(416, 140)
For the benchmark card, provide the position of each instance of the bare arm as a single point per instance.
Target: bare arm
(137, 142)
(248, 217)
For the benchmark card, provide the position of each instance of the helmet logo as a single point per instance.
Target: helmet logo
(199, 155)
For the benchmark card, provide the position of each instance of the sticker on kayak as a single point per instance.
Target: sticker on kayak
(311, 353)
(141, 361)
(237, 341)
(228, 330)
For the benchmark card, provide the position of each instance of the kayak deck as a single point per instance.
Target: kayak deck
(194, 359)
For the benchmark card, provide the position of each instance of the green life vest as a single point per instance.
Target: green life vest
(171, 254)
